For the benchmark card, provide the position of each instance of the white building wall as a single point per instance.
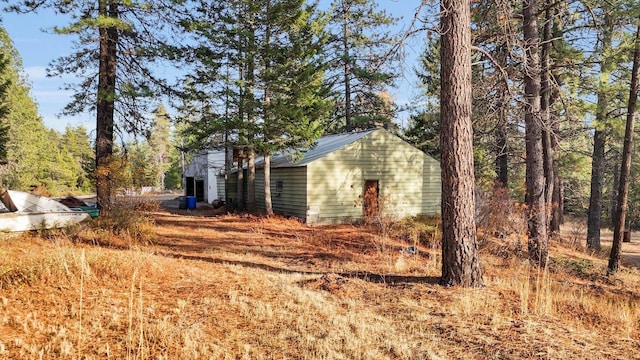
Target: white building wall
(206, 166)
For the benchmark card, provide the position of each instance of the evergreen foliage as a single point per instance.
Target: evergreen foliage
(112, 38)
(258, 83)
(4, 108)
(361, 65)
(158, 138)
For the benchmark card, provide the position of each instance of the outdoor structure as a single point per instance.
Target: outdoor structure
(204, 176)
(349, 175)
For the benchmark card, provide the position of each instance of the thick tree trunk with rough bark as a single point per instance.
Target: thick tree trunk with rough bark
(251, 181)
(625, 168)
(595, 199)
(558, 202)
(594, 214)
(267, 184)
(240, 184)
(545, 111)
(460, 264)
(535, 180)
(105, 106)
(614, 195)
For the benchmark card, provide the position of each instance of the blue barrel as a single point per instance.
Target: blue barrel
(191, 202)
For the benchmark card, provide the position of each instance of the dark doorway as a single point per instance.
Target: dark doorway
(200, 190)
(189, 186)
(370, 197)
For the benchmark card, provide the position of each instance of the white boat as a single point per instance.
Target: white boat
(24, 211)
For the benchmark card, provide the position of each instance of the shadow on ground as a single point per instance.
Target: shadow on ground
(277, 245)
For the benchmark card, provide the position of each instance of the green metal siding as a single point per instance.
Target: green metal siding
(292, 200)
(232, 186)
(221, 187)
(409, 180)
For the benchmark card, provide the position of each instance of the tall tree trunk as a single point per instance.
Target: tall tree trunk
(594, 215)
(502, 156)
(251, 78)
(595, 198)
(545, 111)
(460, 264)
(625, 168)
(251, 181)
(347, 70)
(267, 184)
(536, 209)
(614, 194)
(240, 184)
(105, 106)
(557, 201)
(557, 198)
(267, 102)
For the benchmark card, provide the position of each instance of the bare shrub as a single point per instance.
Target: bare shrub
(379, 217)
(128, 224)
(420, 229)
(575, 234)
(497, 214)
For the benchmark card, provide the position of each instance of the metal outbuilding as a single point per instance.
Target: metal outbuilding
(345, 176)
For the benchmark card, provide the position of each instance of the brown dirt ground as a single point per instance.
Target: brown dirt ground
(240, 286)
(630, 251)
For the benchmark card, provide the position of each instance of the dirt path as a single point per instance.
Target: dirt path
(630, 250)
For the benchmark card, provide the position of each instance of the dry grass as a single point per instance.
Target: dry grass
(236, 287)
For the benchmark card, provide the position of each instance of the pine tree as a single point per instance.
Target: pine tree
(292, 80)
(4, 109)
(75, 141)
(27, 137)
(158, 139)
(625, 168)
(360, 67)
(460, 264)
(535, 181)
(265, 88)
(113, 38)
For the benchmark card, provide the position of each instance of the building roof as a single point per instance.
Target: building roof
(323, 146)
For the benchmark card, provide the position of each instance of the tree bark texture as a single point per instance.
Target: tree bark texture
(105, 106)
(347, 72)
(558, 202)
(545, 111)
(594, 214)
(625, 168)
(502, 160)
(460, 263)
(535, 179)
(595, 198)
(614, 194)
(240, 184)
(501, 129)
(267, 184)
(251, 181)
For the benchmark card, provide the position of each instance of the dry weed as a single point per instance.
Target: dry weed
(498, 215)
(295, 292)
(128, 224)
